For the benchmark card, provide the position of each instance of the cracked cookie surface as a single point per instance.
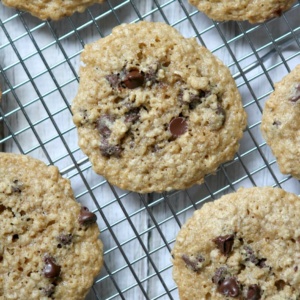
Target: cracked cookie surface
(243, 246)
(253, 11)
(281, 123)
(155, 111)
(49, 245)
(54, 9)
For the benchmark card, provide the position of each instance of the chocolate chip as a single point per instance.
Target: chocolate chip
(193, 262)
(51, 269)
(65, 239)
(86, 217)
(224, 243)
(229, 287)
(132, 115)
(108, 150)
(113, 79)
(253, 293)
(219, 275)
(178, 126)
(133, 79)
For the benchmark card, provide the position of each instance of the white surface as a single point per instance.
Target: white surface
(38, 74)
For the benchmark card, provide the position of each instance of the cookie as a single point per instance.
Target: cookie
(49, 246)
(252, 11)
(154, 110)
(281, 123)
(242, 246)
(54, 9)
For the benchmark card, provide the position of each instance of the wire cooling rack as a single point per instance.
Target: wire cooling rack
(39, 62)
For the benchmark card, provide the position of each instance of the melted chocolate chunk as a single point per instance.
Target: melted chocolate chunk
(178, 126)
(133, 115)
(103, 125)
(276, 123)
(150, 76)
(193, 262)
(296, 97)
(113, 79)
(133, 79)
(15, 237)
(49, 290)
(17, 186)
(225, 243)
(2, 208)
(65, 239)
(221, 112)
(296, 268)
(86, 217)
(250, 256)
(51, 269)
(108, 150)
(219, 275)
(262, 263)
(253, 293)
(280, 284)
(229, 287)
(195, 100)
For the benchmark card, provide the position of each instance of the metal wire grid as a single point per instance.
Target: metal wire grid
(38, 74)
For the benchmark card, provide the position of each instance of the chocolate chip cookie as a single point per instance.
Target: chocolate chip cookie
(252, 11)
(53, 9)
(281, 123)
(155, 111)
(242, 246)
(49, 246)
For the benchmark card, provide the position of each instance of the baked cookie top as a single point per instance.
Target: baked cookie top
(49, 246)
(242, 246)
(53, 9)
(253, 11)
(155, 111)
(281, 123)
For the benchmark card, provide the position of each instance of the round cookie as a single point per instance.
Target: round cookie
(54, 9)
(242, 246)
(155, 111)
(281, 123)
(253, 11)
(49, 246)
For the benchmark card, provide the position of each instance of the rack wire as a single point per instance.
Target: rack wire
(39, 61)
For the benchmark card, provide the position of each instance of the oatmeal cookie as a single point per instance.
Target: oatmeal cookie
(49, 246)
(155, 111)
(53, 9)
(253, 11)
(242, 246)
(281, 123)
